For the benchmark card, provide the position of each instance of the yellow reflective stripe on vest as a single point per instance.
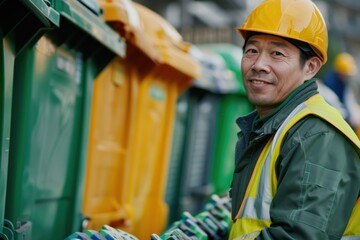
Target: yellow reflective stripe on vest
(254, 212)
(253, 205)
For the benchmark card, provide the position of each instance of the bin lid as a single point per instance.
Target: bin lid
(120, 11)
(92, 5)
(232, 56)
(168, 41)
(124, 18)
(93, 25)
(215, 77)
(160, 31)
(43, 11)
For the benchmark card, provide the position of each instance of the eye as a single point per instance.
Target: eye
(278, 54)
(250, 51)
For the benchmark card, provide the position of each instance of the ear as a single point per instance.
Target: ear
(312, 66)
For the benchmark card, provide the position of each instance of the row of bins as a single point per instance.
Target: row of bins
(87, 110)
(109, 118)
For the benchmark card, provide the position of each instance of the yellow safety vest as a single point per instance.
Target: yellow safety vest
(254, 211)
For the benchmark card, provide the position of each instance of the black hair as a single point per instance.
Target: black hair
(306, 51)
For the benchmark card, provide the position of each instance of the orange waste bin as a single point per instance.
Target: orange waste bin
(151, 146)
(112, 121)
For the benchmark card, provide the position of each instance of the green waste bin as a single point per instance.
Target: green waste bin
(21, 23)
(232, 105)
(189, 186)
(176, 158)
(202, 160)
(52, 95)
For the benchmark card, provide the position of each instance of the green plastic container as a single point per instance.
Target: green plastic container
(202, 160)
(188, 185)
(233, 104)
(52, 95)
(27, 21)
(177, 155)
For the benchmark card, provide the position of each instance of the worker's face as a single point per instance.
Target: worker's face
(271, 71)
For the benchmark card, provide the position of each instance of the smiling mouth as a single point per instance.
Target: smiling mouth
(257, 82)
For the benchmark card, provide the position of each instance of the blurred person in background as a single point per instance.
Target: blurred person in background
(331, 97)
(297, 161)
(338, 80)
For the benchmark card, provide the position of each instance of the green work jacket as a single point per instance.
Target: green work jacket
(320, 213)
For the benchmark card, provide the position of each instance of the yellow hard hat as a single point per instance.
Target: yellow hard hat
(295, 19)
(345, 64)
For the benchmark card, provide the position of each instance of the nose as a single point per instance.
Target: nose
(261, 63)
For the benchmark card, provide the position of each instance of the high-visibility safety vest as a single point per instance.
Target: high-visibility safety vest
(254, 211)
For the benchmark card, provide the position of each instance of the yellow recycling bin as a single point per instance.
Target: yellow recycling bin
(151, 146)
(113, 114)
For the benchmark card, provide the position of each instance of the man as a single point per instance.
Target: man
(297, 172)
